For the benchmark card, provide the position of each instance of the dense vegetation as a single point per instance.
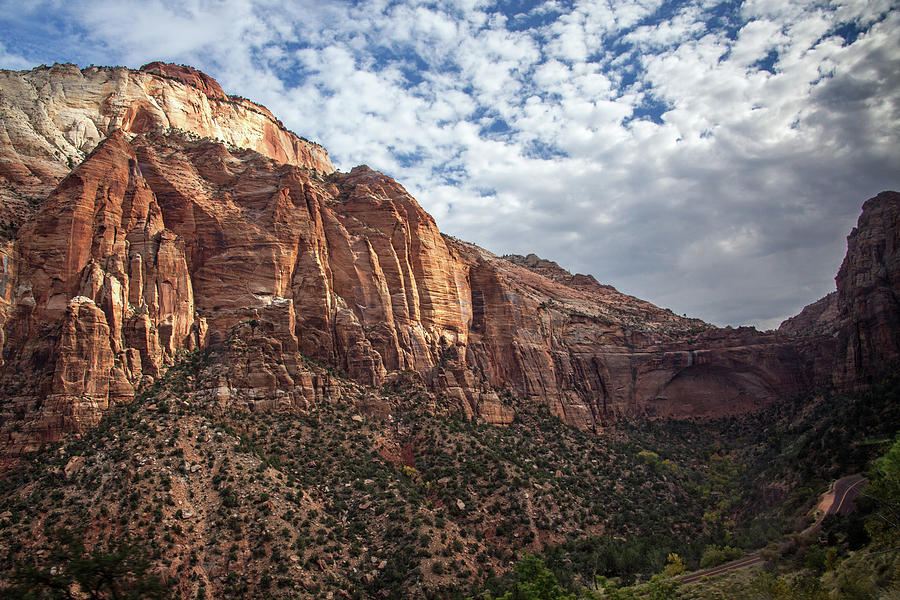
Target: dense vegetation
(236, 503)
(799, 446)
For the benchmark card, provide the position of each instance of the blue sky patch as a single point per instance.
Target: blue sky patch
(542, 150)
(767, 63)
(650, 109)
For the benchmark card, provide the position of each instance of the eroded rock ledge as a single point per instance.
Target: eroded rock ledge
(195, 222)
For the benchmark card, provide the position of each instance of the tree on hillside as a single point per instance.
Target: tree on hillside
(117, 571)
(534, 581)
(884, 489)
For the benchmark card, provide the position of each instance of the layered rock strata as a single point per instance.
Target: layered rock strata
(161, 242)
(868, 288)
(51, 118)
(857, 327)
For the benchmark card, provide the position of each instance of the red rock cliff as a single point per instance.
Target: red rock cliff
(160, 242)
(868, 289)
(189, 75)
(853, 334)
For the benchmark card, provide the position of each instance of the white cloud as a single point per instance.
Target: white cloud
(9, 60)
(733, 208)
(755, 40)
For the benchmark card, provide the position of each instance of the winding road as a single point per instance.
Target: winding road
(845, 491)
(838, 501)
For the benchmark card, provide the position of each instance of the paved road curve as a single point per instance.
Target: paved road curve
(844, 491)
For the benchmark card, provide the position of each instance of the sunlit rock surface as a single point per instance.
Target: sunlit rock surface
(152, 215)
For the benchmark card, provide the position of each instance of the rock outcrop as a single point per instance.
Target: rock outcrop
(819, 318)
(51, 118)
(868, 289)
(189, 75)
(161, 241)
(853, 334)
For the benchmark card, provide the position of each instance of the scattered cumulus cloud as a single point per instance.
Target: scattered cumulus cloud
(11, 60)
(707, 155)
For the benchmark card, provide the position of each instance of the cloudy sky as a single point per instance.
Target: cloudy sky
(708, 156)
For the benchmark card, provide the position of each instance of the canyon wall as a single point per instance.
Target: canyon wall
(868, 295)
(162, 238)
(51, 118)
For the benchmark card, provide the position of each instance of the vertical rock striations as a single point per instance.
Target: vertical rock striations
(853, 334)
(868, 289)
(166, 238)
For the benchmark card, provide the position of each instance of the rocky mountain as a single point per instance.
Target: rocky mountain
(868, 287)
(855, 331)
(147, 214)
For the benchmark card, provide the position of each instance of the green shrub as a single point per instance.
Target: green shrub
(714, 556)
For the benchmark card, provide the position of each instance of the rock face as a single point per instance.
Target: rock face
(189, 75)
(51, 118)
(853, 334)
(162, 241)
(868, 289)
(819, 318)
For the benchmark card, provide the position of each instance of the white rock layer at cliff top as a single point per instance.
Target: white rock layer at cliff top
(55, 116)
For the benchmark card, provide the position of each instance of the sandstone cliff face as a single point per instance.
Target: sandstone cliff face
(161, 242)
(868, 289)
(180, 243)
(819, 318)
(52, 117)
(189, 75)
(853, 334)
(594, 353)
